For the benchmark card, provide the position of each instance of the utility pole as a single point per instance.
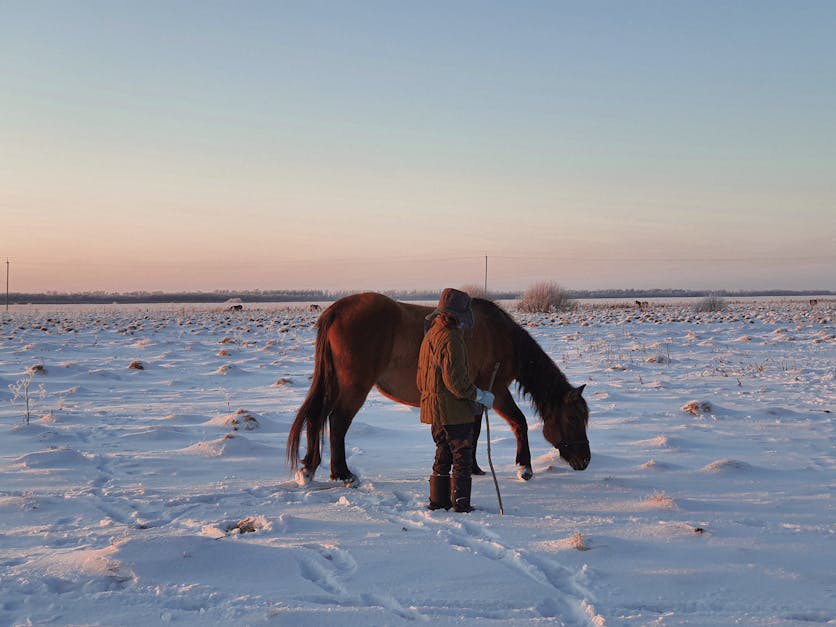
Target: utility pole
(7, 284)
(486, 276)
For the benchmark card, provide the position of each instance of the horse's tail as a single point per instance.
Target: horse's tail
(322, 394)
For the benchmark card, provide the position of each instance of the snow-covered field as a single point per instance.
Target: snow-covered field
(160, 495)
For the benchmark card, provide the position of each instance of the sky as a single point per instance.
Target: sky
(200, 145)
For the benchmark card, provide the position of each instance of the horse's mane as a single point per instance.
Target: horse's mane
(537, 376)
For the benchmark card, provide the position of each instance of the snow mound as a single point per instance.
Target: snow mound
(54, 458)
(726, 465)
(227, 446)
(63, 570)
(238, 419)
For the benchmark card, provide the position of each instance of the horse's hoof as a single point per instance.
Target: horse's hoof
(304, 476)
(525, 473)
(349, 481)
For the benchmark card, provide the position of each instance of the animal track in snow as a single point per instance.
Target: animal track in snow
(327, 566)
(574, 598)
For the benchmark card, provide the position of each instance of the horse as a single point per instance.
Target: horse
(369, 340)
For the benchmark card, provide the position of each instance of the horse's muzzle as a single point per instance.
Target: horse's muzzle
(576, 453)
(580, 463)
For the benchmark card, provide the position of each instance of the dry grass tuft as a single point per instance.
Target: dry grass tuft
(697, 408)
(242, 418)
(250, 524)
(577, 542)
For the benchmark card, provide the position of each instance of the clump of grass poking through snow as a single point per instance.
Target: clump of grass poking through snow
(697, 408)
(242, 418)
(577, 542)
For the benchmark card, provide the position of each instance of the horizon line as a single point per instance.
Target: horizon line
(266, 295)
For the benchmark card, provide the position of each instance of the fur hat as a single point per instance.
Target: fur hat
(455, 303)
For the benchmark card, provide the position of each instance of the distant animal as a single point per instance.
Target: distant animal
(236, 308)
(314, 307)
(367, 340)
(643, 304)
(813, 302)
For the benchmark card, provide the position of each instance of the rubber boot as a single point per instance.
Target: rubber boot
(439, 492)
(461, 494)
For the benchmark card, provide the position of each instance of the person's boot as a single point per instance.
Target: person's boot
(440, 492)
(461, 494)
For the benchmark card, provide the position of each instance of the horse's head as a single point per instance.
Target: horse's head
(565, 428)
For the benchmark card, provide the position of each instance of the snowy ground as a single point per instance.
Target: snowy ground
(160, 495)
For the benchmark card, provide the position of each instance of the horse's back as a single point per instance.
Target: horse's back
(375, 341)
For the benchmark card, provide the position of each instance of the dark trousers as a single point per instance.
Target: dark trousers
(453, 448)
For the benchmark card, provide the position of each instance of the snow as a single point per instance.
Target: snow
(161, 496)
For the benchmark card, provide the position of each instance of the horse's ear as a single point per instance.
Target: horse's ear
(575, 393)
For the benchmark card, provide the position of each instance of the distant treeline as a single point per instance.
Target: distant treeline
(678, 293)
(267, 296)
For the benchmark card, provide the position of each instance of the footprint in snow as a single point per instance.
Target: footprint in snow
(325, 567)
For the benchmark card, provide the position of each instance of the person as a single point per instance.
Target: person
(447, 396)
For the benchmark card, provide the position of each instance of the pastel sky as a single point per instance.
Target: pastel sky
(200, 145)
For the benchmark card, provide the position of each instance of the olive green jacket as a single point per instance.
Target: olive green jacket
(444, 377)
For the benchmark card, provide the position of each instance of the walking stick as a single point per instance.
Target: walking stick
(490, 459)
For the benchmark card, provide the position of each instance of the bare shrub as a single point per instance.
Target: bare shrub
(545, 297)
(20, 390)
(711, 304)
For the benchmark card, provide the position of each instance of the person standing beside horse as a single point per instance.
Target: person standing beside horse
(447, 397)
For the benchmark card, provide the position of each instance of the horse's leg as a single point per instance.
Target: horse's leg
(339, 467)
(347, 407)
(477, 429)
(507, 408)
(312, 458)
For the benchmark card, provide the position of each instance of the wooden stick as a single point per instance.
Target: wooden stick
(490, 459)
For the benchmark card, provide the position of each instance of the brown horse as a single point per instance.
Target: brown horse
(368, 340)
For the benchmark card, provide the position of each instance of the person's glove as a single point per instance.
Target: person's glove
(483, 397)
